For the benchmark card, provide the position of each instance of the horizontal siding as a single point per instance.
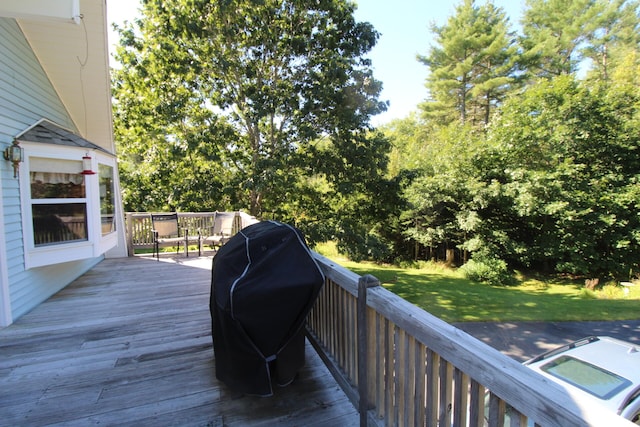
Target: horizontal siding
(26, 96)
(12, 224)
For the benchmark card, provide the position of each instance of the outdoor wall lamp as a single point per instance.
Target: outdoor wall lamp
(14, 154)
(86, 165)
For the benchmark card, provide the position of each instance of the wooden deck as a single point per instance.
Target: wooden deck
(129, 343)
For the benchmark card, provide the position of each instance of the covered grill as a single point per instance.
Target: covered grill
(264, 282)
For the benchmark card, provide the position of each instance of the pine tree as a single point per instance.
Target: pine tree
(555, 33)
(472, 65)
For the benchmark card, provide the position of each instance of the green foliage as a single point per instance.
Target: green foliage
(553, 185)
(516, 162)
(558, 35)
(554, 31)
(611, 291)
(409, 139)
(570, 168)
(262, 106)
(472, 65)
(616, 36)
(487, 270)
(444, 192)
(360, 246)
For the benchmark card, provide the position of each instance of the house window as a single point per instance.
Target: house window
(107, 199)
(68, 205)
(58, 201)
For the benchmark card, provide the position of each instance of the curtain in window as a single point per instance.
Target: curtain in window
(57, 178)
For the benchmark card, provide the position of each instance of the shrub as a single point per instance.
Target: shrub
(611, 291)
(489, 271)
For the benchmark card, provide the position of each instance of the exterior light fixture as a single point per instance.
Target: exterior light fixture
(14, 154)
(86, 165)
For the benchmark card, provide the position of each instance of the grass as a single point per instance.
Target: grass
(445, 293)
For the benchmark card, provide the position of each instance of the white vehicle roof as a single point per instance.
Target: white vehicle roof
(611, 372)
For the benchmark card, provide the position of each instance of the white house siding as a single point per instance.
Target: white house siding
(26, 95)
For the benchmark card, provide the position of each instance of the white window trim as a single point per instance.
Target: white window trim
(107, 241)
(96, 244)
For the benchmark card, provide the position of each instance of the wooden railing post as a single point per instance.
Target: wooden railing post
(365, 282)
(129, 233)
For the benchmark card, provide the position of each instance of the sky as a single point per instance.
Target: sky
(404, 33)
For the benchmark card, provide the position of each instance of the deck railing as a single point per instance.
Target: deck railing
(402, 366)
(138, 225)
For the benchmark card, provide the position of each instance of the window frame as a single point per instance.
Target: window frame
(96, 243)
(109, 240)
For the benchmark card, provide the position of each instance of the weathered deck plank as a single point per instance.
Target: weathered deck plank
(129, 343)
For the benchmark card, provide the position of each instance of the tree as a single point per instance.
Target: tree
(409, 138)
(269, 102)
(617, 37)
(472, 65)
(568, 159)
(171, 147)
(559, 35)
(553, 32)
(441, 197)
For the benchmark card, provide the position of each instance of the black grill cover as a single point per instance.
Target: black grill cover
(264, 282)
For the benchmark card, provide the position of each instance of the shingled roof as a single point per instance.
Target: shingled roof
(49, 133)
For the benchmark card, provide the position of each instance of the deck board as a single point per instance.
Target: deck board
(129, 343)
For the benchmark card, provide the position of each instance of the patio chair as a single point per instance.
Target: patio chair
(222, 230)
(166, 231)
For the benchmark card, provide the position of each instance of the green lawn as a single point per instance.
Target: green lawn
(447, 294)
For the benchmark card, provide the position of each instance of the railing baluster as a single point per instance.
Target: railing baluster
(388, 371)
(460, 397)
(433, 363)
(410, 375)
(379, 365)
(476, 405)
(496, 411)
(446, 378)
(420, 391)
(404, 382)
(372, 357)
